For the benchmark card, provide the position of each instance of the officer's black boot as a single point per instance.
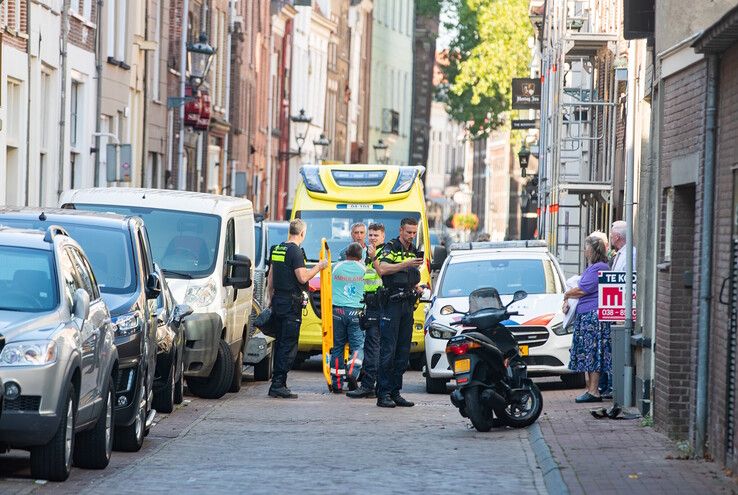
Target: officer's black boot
(279, 390)
(400, 401)
(385, 401)
(361, 393)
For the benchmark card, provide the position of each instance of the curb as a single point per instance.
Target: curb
(549, 467)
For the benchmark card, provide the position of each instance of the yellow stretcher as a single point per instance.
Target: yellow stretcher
(326, 309)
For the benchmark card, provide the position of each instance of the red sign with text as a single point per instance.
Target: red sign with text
(611, 296)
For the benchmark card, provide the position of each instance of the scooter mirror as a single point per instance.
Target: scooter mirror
(518, 296)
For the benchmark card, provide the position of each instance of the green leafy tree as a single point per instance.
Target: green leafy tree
(489, 49)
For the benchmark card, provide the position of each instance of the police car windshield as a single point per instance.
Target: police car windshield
(335, 226)
(534, 276)
(184, 244)
(27, 280)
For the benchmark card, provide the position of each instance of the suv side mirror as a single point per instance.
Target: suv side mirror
(153, 286)
(439, 256)
(181, 311)
(81, 304)
(240, 272)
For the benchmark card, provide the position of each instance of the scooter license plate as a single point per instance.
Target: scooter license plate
(462, 366)
(523, 350)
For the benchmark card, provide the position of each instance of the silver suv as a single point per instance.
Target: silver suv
(58, 365)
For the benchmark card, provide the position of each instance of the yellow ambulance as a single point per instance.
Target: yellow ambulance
(330, 199)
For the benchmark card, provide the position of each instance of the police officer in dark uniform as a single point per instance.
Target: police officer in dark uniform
(370, 321)
(288, 278)
(399, 265)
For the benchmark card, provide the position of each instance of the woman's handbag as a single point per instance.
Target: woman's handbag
(264, 321)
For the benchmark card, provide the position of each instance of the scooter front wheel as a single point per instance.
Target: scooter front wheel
(481, 416)
(525, 410)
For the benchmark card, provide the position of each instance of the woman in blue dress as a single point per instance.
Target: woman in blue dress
(590, 348)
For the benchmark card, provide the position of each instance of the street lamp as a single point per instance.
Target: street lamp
(381, 150)
(199, 57)
(321, 146)
(523, 156)
(301, 122)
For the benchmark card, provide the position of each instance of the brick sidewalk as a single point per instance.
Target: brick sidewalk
(606, 456)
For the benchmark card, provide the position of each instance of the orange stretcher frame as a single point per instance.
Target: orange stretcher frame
(326, 309)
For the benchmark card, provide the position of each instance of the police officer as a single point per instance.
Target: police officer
(372, 292)
(287, 280)
(398, 266)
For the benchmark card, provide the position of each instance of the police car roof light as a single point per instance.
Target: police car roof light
(467, 246)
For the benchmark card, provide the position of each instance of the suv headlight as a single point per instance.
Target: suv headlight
(29, 353)
(559, 329)
(201, 295)
(127, 324)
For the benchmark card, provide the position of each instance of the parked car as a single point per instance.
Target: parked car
(508, 267)
(204, 244)
(58, 362)
(170, 348)
(259, 347)
(118, 249)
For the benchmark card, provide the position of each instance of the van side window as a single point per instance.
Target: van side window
(230, 246)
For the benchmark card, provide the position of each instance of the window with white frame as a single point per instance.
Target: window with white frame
(13, 114)
(669, 223)
(214, 74)
(45, 90)
(117, 15)
(156, 69)
(16, 16)
(75, 113)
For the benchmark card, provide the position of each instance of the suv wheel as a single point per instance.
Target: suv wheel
(237, 373)
(130, 438)
(53, 461)
(435, 385)
(263, 369)
(164, 398)
(179, 384)
(217, 384)
(94, 447)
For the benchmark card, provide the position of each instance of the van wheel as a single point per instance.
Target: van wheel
(94, 447)
(263, 369)
(53, 461)
(217, 384)
(237, 373)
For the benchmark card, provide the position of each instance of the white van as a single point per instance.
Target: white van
(204, 244)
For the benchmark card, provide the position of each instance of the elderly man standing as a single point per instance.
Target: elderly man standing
(618, 233)
(358, 235)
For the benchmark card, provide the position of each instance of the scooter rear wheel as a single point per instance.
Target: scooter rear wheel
(481, 417)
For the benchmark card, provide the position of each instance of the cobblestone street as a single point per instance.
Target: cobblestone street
(249, 443)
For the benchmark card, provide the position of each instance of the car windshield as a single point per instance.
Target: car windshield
(109, 251)
(535, 276)
(184, 244)
(335, 226)
(27, 280)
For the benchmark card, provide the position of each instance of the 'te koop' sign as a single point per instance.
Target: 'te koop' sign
(611, 296)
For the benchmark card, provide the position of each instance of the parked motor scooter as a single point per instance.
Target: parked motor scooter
(493, 388)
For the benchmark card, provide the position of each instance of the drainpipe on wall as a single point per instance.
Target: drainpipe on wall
(270, 118)
(98, 97)
(708, 194)
(28, 98)
(224, 167)
(145, 120)
(181, 171)
(63, 112)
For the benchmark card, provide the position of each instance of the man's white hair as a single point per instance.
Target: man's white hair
(620, 228)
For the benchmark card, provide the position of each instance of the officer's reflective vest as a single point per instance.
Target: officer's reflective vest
(372, 280)
(394, 253)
